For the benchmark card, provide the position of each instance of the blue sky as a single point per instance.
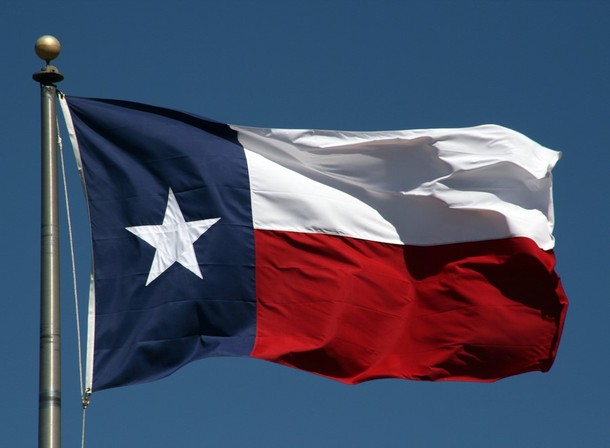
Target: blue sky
(540, 67)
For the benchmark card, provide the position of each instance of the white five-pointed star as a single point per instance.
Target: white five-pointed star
(173, 239)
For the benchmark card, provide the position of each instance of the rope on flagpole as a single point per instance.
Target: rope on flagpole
(84, 394)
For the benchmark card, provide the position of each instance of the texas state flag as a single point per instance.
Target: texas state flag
(421, 254)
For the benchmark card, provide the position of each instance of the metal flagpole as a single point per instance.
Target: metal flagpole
(49, 400)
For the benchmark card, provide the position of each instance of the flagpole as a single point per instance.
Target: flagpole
(49, 399)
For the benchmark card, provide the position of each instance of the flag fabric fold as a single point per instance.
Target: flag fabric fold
(421, 254)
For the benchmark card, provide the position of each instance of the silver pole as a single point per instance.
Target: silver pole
(49, 400)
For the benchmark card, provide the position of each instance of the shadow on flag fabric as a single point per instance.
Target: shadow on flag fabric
(420, 254)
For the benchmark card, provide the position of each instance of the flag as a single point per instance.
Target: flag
(416, 254)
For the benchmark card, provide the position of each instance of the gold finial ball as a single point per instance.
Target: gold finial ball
(47, 48)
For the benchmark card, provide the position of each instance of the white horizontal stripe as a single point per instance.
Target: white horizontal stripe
(420, 187)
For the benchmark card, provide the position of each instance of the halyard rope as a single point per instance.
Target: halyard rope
(84, 394)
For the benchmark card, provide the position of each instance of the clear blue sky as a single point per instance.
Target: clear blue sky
(540, 67)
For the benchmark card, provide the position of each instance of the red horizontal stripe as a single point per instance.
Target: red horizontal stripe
(355, 310)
